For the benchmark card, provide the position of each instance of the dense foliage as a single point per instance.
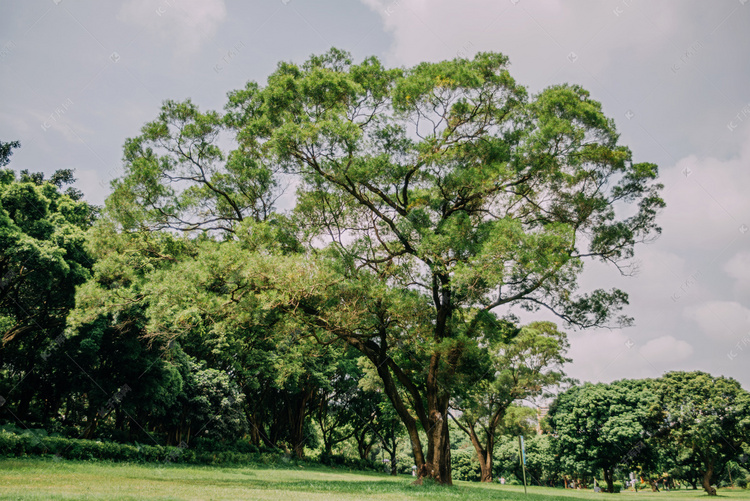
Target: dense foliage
(43, 258)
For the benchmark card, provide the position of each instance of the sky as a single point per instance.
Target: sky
(79, 77)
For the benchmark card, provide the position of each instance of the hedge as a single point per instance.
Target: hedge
(36, 443)
(353, 463)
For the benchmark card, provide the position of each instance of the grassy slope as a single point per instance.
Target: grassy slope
(35, 479)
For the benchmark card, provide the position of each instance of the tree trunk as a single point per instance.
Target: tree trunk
(484, 454)
(729, 470)
(394, 470)
(297, 423)
(707, 479)
(609, 478)
(368, 451)
(433, 418)
(92, 421)
(364, 448)
(391, 391)
(438, 464)
(485, 464)
(119, 419)
(254, 434)
(24, 404)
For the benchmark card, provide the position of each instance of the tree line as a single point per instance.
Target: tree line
(428, 202)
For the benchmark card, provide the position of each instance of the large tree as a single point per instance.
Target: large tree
(42, 260)
(442, 192)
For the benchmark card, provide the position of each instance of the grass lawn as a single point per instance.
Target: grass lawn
(43, 479)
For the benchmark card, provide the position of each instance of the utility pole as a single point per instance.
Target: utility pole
(522, 458)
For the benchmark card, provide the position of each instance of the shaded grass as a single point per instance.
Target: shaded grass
(40, 479)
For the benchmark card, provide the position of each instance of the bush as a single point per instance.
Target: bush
(29, 443)
(464, 466)
(10, 444)
(404, 464)
(210, 445)
(343, 461)
(617, 486)
(37, 443)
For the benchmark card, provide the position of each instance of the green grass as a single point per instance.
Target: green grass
(42, 479)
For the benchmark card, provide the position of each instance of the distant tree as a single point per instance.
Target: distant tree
(162, 286)
(59, 178)
(341, 406)
(6, 150)
(386, 425)
(522, 365)
(210, 404)
(708, 417)
(600, 427)
(107, 347)
(542, 464)
(390, 431)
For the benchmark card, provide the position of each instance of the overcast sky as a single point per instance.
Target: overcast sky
(78, 77)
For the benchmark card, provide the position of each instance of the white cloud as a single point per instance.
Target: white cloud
(541, 34)
(611, 355)
(721, 319)
(95, 188)
(186, 24)
(707, 202)
(666, 348)
(738, 267)
(606, 356)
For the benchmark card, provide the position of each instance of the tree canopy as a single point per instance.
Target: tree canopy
(43, 258)
(708, 417)
(604, 427)
(429, 200)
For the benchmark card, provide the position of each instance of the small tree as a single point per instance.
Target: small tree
(521, 367)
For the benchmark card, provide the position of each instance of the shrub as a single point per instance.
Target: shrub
(10, 444)
(18, 443)
(404, 464)
(343, 461)
(464, 466)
